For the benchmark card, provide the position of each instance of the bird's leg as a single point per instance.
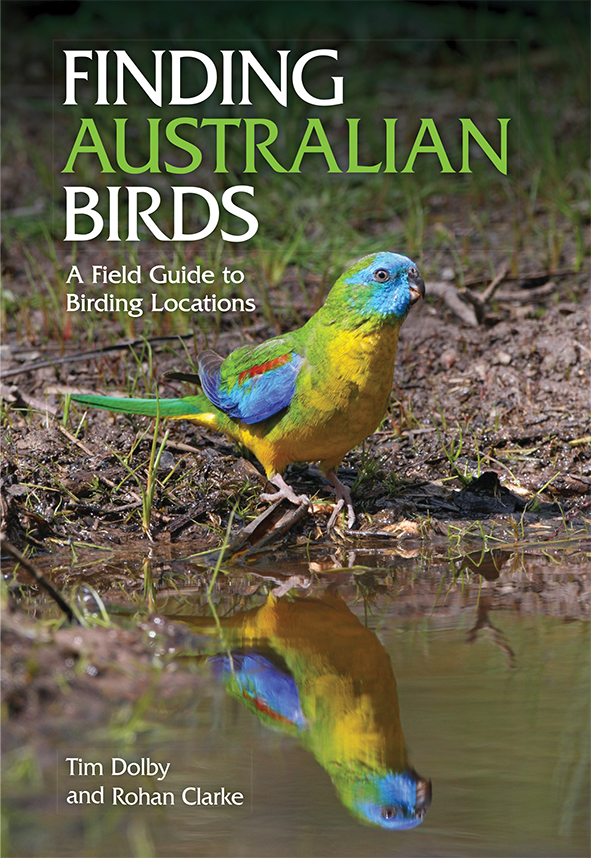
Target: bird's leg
(343, 497)
(285, 491)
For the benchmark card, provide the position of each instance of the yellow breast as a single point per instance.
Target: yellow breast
(340, 399)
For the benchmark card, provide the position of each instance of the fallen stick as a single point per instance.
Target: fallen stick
(77, 356)
(39, 579)
(451, 297)
(532, 275)
(480, 299)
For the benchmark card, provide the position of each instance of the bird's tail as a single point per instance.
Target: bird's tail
(197, 408)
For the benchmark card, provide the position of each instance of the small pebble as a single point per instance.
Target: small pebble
(448, 358)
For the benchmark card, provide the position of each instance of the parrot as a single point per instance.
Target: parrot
(308, 668)
(310, 395)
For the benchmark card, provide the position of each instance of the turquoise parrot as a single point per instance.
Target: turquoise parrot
(309, 668)
(310, 395)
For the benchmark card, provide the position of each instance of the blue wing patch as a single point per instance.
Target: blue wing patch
(272, 691)
(257, 393)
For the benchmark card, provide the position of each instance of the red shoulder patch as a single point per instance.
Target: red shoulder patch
(264, 707)
(263, 367)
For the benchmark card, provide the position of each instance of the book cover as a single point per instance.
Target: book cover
(299, 587)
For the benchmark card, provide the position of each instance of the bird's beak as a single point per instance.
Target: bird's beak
(416, 284)
(424, 794)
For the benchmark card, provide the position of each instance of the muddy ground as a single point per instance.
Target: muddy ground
(482, 467)
(507, 397)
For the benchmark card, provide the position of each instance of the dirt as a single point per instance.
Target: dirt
(510, 396)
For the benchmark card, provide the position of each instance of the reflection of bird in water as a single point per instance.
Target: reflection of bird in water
(309, 667)
(310, 395)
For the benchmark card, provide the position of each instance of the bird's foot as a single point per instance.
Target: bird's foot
(343, 498)
(285, 491)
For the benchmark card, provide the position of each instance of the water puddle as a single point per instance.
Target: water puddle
(341, 701)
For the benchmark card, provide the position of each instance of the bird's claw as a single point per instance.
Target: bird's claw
(298, 500)
(338, 507)
(285, 491)
(342, 494)
(343, 498)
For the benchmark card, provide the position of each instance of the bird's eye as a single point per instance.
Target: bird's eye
(381, 275)
(389, 812)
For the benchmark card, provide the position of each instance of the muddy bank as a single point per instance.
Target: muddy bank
(510, 396)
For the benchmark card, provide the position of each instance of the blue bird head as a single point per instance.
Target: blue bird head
(383, 286)
(396, 800)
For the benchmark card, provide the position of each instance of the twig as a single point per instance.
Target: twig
(535, 275)
(527, 294)
(40, 579)
(16, 397)
(77, 356)
(493, 286)
(181, 447)
(117, 347)
(479, 299)
(583, 348)
(451, 297)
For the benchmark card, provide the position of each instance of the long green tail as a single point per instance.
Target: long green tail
(190, 407)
